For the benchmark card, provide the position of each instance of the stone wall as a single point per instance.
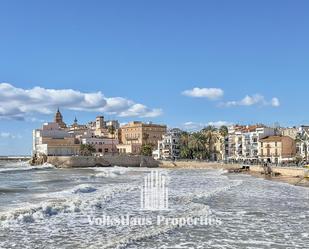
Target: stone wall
(105, 161)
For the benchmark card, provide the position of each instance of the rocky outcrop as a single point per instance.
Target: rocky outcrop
(38, 160)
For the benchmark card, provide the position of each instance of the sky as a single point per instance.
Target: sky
(186, 64)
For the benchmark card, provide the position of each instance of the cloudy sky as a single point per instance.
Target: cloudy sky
(184, 63)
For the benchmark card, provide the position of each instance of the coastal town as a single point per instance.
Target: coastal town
(252, 144)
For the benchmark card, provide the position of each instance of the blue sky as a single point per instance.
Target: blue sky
(248, 61)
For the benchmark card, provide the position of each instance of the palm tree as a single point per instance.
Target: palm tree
(223, 131)
(211, 137)
(197, 143)
(185, 151)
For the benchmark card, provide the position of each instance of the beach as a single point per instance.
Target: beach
(293, 176)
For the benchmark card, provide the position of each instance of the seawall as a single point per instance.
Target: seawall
(104, 161)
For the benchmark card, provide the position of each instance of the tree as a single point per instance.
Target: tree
(197, 143)
(146, 150)
(211, 137)
(223, 131)
(86, 149)
(185, 151)
(303, 141)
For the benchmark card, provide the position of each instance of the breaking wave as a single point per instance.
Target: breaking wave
(193, 209)
(111, 172)
(65, 203)
(24, 166)
(83, 189)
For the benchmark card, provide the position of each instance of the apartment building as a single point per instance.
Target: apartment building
(302, 142)
(135, 134)
(168, 147)
(277, 149)
(243, 141)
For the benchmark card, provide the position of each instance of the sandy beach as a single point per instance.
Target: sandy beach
(294, 178)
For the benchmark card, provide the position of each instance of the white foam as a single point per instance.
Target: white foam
(111, 172)
(83, 189)
(83, 197)
(24, 166)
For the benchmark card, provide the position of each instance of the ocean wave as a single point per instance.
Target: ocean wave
(83, 189)
(123, 241)
(67, 201)
(189, 197)
(192, 209)
(26, 167)
(111, 172)
(12, 190)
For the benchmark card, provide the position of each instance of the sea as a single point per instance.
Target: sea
(46, 207)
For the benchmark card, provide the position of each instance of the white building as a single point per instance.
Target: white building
(168, 147)
(302, 142)
(53, 140)
(251, 141)
(243, 141)
(101, 145)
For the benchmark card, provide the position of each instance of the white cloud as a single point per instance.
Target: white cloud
(220, 123)
(141, 111)
(8, 135)
(256, 99)
(5, 134)
(275, 102)
(194, 126)
(16, 103)
(210, 93)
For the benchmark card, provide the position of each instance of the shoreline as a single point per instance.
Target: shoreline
(292, 176)
(292, 180)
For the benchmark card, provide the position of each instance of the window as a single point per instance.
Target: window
(106, 150)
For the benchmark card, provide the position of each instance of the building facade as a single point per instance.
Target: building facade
(135, 134)
(302, 143)
(102, 145)
(168, 147)
(243, 141)
(277, 149)
(51, 140)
